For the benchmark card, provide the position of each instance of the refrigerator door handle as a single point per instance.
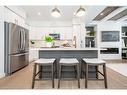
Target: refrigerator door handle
(20, 54)
(21, 40)
(24, 40)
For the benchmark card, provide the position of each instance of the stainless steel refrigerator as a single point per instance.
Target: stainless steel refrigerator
(16, 47)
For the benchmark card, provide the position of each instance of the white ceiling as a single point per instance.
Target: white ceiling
(67, 13)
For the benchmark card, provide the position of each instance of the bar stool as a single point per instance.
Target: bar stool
(43, 62)
(95, 62)
(68, 62)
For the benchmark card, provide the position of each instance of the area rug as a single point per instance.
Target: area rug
(120, 68)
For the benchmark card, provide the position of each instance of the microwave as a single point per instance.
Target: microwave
(55, 36)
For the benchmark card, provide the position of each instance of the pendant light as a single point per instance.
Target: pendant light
(55, 12)
(80, 12)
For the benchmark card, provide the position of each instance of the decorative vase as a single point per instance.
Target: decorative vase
(49, 44)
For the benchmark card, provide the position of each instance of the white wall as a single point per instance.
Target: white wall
(109, 26)
(124, 23)
(40, 29)
(1, 42)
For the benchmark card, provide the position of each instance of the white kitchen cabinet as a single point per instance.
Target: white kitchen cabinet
(13, 17)
(33, 55)
(77, 33)
(10, 16)
(20, 21)
(27, 26)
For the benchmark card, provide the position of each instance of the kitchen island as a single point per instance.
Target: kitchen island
(67, 53)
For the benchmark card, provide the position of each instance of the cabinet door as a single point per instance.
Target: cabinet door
(10, 16)
(20, 21)
(14, 18)
(33, 55)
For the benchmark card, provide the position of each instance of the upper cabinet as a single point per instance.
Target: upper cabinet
(11, 16)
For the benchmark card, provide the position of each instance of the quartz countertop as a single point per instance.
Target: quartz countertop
(63, 49)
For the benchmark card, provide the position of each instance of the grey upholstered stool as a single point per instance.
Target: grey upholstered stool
(43, 62)
(68, 62)
(95, 62)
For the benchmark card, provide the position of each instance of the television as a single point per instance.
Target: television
(110, 36)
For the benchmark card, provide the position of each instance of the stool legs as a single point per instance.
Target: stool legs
(105, 76)
(34, 75)
(59, 76)
(78, 76)
(52, 75)
(86, 75)
(96, 72)
(75, 71)
(40, 69)
(40, 74)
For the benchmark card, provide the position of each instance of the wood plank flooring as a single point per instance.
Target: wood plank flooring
(22, 80)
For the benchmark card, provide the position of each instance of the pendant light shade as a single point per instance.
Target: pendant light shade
(80, 12)
(55, 12)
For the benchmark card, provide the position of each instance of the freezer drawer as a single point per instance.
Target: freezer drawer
(18, 61)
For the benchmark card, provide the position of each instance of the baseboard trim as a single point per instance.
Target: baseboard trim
(2, 75)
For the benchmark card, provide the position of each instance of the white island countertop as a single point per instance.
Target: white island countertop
(63, 49)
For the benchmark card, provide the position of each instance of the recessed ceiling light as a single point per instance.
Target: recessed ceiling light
(55, 12)
(39, 13)
(102, 14)
(80, 12)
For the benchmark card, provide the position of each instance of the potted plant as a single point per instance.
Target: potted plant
(32, 43)
(91, 33)
(49, 41)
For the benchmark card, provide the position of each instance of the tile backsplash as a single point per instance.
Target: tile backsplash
(42, 43)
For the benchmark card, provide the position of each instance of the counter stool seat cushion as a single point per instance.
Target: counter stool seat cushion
(68, 61)
(94, 61)
(45, 61)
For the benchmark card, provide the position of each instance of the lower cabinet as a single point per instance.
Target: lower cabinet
(33, 55)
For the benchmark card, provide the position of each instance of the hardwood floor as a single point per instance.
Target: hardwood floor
(117, 61)
(22, 80)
